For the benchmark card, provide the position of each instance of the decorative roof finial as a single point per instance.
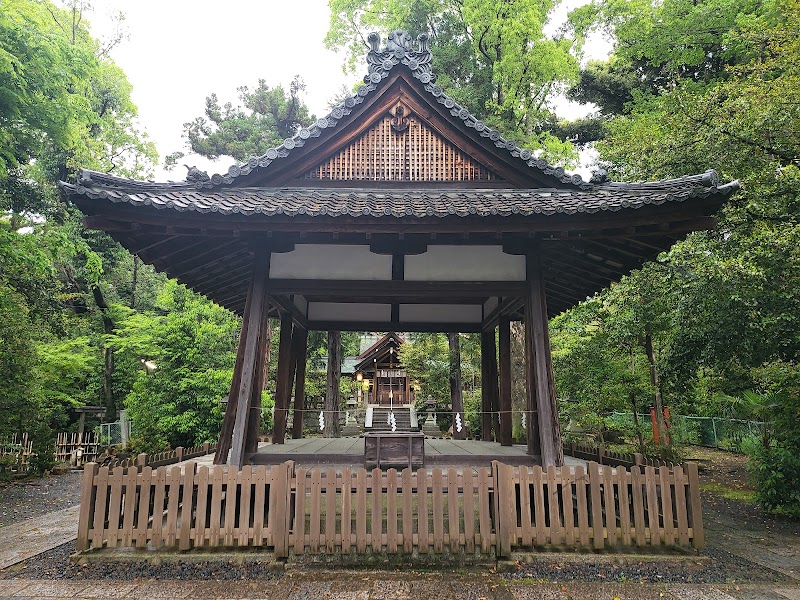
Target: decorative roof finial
(374, 41)
(422, 41)
(400, 40)
(599, 176)
(195, 175)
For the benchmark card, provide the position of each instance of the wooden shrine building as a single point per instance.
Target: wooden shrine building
(379, 366)
(399, 211)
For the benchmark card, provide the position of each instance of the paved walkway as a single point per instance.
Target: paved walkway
(39, 534)
(350, 451)
(30, 537)
(776, 548)
(367, 585)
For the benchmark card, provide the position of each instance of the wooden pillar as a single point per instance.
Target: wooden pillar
(531, 409)
(456, 396)
(254, 421)
(494, 391)
(300, 381)
(332, 392)
(283, 385)
(537, 340)
(489, 392)
(247, 360)
(504, 350)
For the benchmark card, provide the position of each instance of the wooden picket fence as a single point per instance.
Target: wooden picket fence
(360, 510)
(599, 507)
(474, 511)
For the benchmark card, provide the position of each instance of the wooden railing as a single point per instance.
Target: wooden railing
(20, 448)
(77, 449)
(484, 511)
(602, 455)
(162, 459)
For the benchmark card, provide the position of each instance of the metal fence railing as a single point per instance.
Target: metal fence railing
(115, 434)
(714, 432)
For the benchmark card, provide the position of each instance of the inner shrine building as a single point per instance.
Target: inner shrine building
(399, 211)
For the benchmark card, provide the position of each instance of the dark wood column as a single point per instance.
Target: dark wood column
(250, 349)
(456, 395)
(540, 372)
(300, 361)
(283, 385)
(254, 421)
(489, 391)
(531, 409)
(504, 350)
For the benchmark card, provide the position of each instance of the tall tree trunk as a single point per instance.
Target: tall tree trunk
(635, 408)
(108, 356)
(135, 280)
(334, 373)
(456, 398)
(655, 380)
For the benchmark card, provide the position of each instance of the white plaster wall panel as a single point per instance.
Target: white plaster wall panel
(465, 263)
(300, 302)
(335, 261)
(490, 305)
(440, 313)
(348, 311)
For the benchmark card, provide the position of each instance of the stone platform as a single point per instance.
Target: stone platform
(350, 451)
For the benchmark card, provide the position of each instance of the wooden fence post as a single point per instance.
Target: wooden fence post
(696, 508)
(504, 502)
(141, 460)
(179, 453)
(279, 518)
(187, 500)
(87, 501)
(597, 509)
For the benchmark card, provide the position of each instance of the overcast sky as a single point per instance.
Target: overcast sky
(180, 51)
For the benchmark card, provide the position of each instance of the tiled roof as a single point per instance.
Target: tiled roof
(334, 202)
(396, 53)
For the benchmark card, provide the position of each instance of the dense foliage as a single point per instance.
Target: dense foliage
(68, 296)
(690, 86)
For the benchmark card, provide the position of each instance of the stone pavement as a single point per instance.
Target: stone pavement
(364, 585)
(34, 536)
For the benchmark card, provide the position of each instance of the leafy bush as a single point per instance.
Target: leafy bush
(775, 451)
(776, 473)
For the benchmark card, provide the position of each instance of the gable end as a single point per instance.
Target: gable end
(401, 147)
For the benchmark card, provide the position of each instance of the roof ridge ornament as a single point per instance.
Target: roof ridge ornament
(195, 175)
(397, 50)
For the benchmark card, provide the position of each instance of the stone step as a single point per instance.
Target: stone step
(380, 417)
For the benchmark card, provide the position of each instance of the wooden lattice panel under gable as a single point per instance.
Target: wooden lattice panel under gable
(401, 147)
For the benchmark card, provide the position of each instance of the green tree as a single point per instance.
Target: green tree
(265, 117)
(186, 355)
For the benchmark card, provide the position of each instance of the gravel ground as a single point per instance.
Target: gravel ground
(55, 565)
(35, 497)
(718, 567)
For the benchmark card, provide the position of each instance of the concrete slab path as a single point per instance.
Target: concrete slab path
(39, 534)
(365, 585)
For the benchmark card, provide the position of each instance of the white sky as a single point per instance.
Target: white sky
(180, 51)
